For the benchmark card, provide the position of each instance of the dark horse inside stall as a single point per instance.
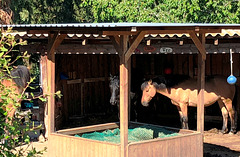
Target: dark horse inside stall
(16, 83)
(182, 90)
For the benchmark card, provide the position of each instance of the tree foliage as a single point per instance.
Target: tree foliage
(5, 12)
(162, 11)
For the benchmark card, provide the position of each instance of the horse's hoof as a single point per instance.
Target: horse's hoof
(223, 131)
(232, 132)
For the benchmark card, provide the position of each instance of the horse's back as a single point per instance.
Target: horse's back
(215, 88)
(219, 85)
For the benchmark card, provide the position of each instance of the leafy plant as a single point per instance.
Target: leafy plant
(13, 134)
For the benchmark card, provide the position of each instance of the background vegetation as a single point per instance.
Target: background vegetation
(169, 11)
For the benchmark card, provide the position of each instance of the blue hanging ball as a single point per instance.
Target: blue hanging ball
(231, 79)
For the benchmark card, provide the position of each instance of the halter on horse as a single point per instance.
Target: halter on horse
(184, 94)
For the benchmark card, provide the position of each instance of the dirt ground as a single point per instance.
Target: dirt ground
(215, 144)
(221, 145)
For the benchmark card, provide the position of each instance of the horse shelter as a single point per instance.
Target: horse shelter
(185, 45)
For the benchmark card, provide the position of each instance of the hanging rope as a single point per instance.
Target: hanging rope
(231, 79)
(231, 62)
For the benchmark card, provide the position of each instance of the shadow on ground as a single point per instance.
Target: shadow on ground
(212, 150)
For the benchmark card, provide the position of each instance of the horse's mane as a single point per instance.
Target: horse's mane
(21, 75)
(170, 80)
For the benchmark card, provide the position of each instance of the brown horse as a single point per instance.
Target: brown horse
(183, 93)
(18, 81)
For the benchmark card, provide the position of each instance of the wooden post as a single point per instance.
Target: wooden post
(44, 85)
(201, 87)
(54, 40)
(121, 45)
(51, 91)
(124, 95)
(200, 44)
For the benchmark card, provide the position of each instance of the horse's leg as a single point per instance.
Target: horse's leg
(224, 115)
(182, 110)
(232, 114)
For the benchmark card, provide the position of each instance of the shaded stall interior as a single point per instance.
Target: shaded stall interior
(84, 64)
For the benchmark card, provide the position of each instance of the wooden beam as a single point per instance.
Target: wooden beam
(134, 45)
(198, 44)
(110, 49)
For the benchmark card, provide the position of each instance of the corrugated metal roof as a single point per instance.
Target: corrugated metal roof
(124, 24)
(73, 32)
(225, 32)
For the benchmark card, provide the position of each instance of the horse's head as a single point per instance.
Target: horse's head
(148, 92)
(114, 89)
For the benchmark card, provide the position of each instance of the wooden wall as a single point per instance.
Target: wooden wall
(86, 92)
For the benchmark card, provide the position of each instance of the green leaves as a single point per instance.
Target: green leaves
(178, 11)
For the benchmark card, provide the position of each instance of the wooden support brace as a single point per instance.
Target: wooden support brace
(116, 42)
(135, 44)
(54, 42)
(198, 44)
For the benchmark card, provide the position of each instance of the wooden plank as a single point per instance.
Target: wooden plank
(86, 129)
(190, 66)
